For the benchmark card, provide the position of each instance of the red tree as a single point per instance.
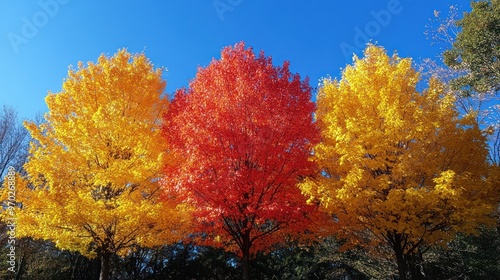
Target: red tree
(245, 130)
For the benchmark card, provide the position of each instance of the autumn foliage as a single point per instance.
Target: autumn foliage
(398, 166)
(244, 129)
(92, 183)
(244, 160)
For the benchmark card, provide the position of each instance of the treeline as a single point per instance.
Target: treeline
(467, 257)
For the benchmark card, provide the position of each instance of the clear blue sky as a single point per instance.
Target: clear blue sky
(39, 40)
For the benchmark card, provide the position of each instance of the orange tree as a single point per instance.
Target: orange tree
(244, 130)
(398, 166)
(94, 166)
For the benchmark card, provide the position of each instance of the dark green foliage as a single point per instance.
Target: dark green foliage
(179, 262)
(322, 260)
(301, 263)
(477, 49)
(468, 257)
(41, 260)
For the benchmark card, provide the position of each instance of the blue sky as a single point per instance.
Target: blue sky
(39, 40)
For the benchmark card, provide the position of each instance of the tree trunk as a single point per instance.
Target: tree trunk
(401, 266)
(20, 270)
(246, 256)
(400, 257)
(105, 265)
(246, 268)
(74, 265)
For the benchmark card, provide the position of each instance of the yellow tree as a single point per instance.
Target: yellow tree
(398, 166)
(93, 171)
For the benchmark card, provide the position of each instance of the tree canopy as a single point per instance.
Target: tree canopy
(398, 166)
(244, 129)
(94, 165)
(476, 49)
